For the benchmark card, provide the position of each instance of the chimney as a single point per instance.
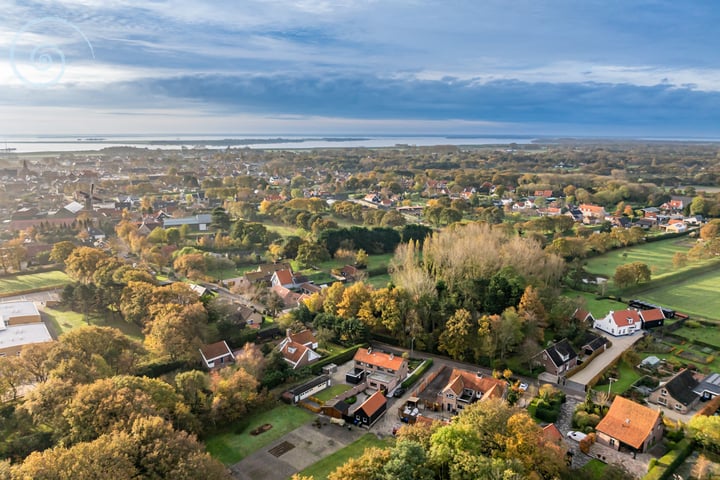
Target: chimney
(369, 349)
(392, 356)
(288, 332)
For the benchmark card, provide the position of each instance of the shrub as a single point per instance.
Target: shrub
(419, 372)
(693, 324)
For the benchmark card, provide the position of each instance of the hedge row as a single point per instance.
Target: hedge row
(593, 381)
(419, 372)
(156, 369)
(338, 358)
(668, 463)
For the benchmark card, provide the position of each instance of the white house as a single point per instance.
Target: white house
(622, 322)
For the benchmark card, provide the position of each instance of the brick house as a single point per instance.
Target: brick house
(677, 393)
(630, 425)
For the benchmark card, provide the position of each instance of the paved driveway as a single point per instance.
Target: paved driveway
(619, 345)
(295, 451)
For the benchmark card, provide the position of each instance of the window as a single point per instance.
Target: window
(663, 392)
(450, 395)
(662, 401)
(612, 441)
(678, 407)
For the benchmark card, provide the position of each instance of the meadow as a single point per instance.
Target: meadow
(23, 283)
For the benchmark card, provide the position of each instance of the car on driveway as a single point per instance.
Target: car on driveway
(523, 387)
(577, 436)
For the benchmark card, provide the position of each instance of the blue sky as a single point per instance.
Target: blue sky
(594, 68)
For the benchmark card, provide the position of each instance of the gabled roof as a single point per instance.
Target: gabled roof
(681, 386)
(305, 337)
(552, 434)
(215, 350)
(711, 384)
(373, 403)
(652, 315)
(628, 422)
(561, 353)
(624, 318)
(293, 352)
(460, 379)
(379, 359)
(582, 315)
(284, 277)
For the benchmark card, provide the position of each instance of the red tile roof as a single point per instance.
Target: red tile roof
(624, 318)
(379, 359)
(284, 277)
(294, 351)
(373, 403)
(652, 315)
(215, 350)
(489, 386)
(628, 422)
(552, 434)
(305, 337)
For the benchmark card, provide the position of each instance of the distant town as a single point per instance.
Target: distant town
(536, 310)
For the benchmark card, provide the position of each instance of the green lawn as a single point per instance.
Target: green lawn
(327, 465)
(657, 255)
(594, 469)
(332, 392)
(231, 447)
(599, 308)
(695, 296)
(30, 281)
(379, 281)
(627, 376)
(63, 320)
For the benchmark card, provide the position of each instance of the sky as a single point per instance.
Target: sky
(563, 67)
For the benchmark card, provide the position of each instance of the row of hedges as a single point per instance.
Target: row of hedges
(668, 463)
(339, 358)
(159, 368)
(593, 381)
(419, 372)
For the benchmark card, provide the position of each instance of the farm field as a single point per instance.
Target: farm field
(657, 255)
(327, 465)
(231, 447)
(29, 281)
(707, 335)
(695, 296)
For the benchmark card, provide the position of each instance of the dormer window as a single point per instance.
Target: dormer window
(291, 350)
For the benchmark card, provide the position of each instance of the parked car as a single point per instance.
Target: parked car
(577, 436)
(523, 387)
(398, 392)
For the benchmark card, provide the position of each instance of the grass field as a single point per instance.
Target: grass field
(30, 281)
(65, 320)
(231, 447)
(708, 335)
(598, 308)
(327, 465)
(657, 255)
(696, 296)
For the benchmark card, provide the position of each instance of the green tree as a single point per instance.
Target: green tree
(457, 338)
(61, 251)
(311, 254)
